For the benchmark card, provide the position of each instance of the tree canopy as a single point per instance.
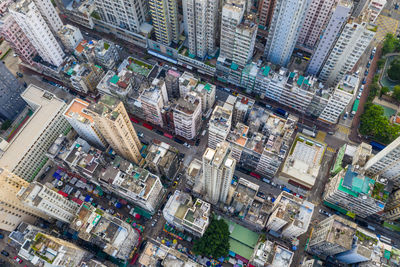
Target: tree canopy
(215, 241)
(374, 123)
(396, 92)
(391, 44)
(394, 70)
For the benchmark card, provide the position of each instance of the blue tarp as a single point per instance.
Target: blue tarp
(87, 198)
(57, 176)
(273, 200)
(118, 205)
(286, 189)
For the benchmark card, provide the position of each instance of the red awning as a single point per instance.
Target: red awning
(62, 193)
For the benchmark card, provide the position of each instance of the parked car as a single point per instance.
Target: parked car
(345, 116)
(140, 134)
(364, 81)
(369, 64)
(175, 184)
(325, 213)
(5, 253)
(197, 142)
(17, 259)
(366, 73)
(331, 133)
(1, 236)
(186, 145)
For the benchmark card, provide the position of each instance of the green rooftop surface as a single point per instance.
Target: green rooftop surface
(346, 190)
(240, 249)
(300, 80)
(306, 82)
(207, 87)
(114, 79)
(242, 241)
(70, 71)
(97, 66)
(266, 70)
(292, 74)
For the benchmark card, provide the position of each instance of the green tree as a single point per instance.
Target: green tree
(215, 241)
(396, 92)
(373, 91)
(384, 90)
(374, 123)
(394, 70)
(391, 44)
(381, 63)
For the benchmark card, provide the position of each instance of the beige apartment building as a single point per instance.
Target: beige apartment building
(12, 210)
(113, 122)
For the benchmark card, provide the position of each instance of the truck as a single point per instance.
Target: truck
(281, 112)
(308, 132)
(355, 107)
(377, 146)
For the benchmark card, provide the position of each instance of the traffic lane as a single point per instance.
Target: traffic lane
(264, 187)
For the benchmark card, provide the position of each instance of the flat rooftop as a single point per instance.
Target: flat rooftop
(45, 107)
(304, 160)
(76, 110)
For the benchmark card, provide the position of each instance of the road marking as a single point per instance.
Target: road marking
(331, 149)
(385, 25)
(343, 129)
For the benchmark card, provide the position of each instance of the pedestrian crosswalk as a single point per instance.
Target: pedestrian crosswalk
(331, 149)
(343, 129)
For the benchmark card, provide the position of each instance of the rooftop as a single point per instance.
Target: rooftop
(188, 80)
(76, 110)
(187, 105)
(45, 107)
(304, 160)
(221, 118)
(272, 254)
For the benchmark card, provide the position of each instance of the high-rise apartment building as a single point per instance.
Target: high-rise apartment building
(152, 101)
(386, 164)
(17, 39)
(392, 208)
(11, 103)
(77, 115)
(232, 15)
(351, 44)
(356, 193)
(339, 17)
(219, 126)
(33, 24)
(291, 215)
(125, 15)
(332, 236)
(172, 83)
(265, 12)
(218, 169)
(201, 26)
(317, 16)
(50, 15)
(48, 201)
(12, 210)
(24, 151)
(113, 122)
(164, 14)
(187, 115)
(285, 27)
(244, 41)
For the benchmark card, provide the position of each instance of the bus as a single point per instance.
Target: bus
(133, 120)
(377, 146)
(355, 107)
(255, 175)
(148, 126)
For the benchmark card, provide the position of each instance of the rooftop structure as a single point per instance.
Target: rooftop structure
(219, 126)
(83, 123)
(187, 83)
(194, 176)
(23, 150)
(352, 191)
(186, 214)
(303, 163)
(133, 183)
(291, 215)
(57, 252)
(117, 238)
(48, 201)
(162, 159)
(187, 115)
(106, 54)
(70, 36)
(169, 257)
(271, 254)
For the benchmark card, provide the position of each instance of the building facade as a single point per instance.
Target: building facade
(83, 123)
(218, 169)
(50, 15)
(31, 21)
(386, 164)
(317, 16)
(285, 27)
(45, 200)
(219, 126)
(11, 103)
(24, 152)
(113, 122)
(201, 26)
(165, 20)
(12, 210)
(340, 14)
(351, 44)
